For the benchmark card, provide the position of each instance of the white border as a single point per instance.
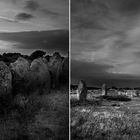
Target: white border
(69, 67)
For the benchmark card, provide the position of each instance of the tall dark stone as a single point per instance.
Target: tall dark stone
(82, 91)
(5, 79)
(104, 89)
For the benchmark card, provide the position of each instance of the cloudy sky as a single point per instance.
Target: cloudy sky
(33, 15)
(106, 41)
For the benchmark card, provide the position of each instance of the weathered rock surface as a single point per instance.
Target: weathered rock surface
(31, 78)
(104, 90)
(82, 91)
(55, 66)
(21, 67)
(40, 75)
(20, 71)
(5, 79)
(64, 78)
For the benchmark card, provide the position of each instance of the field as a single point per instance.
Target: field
(42, 117)
(102, 119)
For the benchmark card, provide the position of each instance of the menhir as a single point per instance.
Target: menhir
(55, 67)
(5, 79)
(82, 91)
(30, 78)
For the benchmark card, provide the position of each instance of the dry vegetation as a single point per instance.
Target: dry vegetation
(103, 119)
(39, 118)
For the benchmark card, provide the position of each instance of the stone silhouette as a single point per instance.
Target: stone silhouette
(37, 54)
(11, 57)
(82, 91)
(64, 77)
(5, 79)
(104, 90)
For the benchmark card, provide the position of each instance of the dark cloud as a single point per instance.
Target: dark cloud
(137, 54)
(49, 12)
(129, 7)
(88, 69)
(31, 5)
(105, 36)
(85, 14)
(23, 16)
(92, 13)
(83, 23)
(55, 40)
(96, 74)
(14, 1)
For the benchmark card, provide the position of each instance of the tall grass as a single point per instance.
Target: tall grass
(104, 125)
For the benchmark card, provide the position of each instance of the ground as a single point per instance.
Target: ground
(43, 117)
(102, 119)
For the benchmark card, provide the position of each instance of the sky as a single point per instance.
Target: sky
(105, 42)
(19, 16)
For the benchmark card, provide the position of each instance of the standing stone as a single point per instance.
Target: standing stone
(37, 54)
(82, 91)
(5, 79)
(21, 67)
(20, 71)
(104, 90)
(64, 76)
(40, 76)
(55, 65)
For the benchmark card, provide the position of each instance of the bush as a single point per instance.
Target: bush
(116, 98)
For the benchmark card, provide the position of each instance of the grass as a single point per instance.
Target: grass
(41, 117)
(109, 120)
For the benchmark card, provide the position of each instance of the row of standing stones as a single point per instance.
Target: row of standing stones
(82, 91)
(40, 75)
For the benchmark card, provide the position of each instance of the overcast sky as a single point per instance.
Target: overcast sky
(21, 15)
(105, 40)
(33, 15)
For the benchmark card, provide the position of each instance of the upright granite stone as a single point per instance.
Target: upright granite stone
(31, 79)
(20, 73)
(82, 91)
(5, 79)
(104, 90)
(64, 77)
(55, 66)
(21, 67)
(40, 76)
(37, 54)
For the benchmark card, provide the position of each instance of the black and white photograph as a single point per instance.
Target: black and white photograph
(34, 69)
(105, 70)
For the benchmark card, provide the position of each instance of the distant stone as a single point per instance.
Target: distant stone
(82, 91)
(5, 79)
(104, 90)
(137, 93)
